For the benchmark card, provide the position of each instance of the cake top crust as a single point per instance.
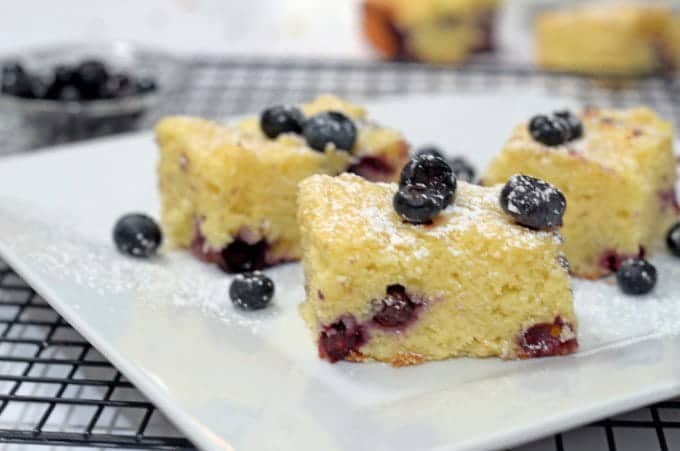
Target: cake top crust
(647, 18)
(615, 139)
(206, 136)
(347, 209)
(408, 12)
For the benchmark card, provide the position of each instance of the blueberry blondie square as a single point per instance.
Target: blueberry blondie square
(472, 282)
(617, 171)
(228, 192)
(436, 31)
(622, 40)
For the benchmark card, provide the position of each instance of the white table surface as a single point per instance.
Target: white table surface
(293, 27)
(320, 28)
(310, 28)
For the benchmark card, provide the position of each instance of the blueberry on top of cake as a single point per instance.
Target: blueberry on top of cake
(471, 281)
(617, 175)
(228, 191)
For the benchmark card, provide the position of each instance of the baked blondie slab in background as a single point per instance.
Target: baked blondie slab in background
(228, 191)
(618, 178)
(435, 31)
(471, 283)
(607, 39)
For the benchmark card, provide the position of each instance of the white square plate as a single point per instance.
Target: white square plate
(252, 381)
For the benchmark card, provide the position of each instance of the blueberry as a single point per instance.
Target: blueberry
(551, 131)
(16, 81)
(330, 127)
(116, 86)
(68, 94)
(53, 91)
(35, 88)
(673, 239)
(281, 119)
(90, 76)
(548, 339)
(138, 235)
(636, 276)
(341, 339)
(463, 169)
(432, 172)
(12, 68)
(430, 150)
(417, 204)
(574, 123)
(396, 309)
(427, 169)
(251, 290)
(241, 256)
(533, 202)
(64, 75)
(12, 71)
(146, 85)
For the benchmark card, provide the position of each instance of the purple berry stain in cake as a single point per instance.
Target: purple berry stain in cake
(183, 162)
(485, 31)
(665, 60)
(375, 169)
(340, 339)
(344, 337)
(548, 339)
(669, 200)
(485, 22)
(397, 309)
(241, 255)
(611, 260)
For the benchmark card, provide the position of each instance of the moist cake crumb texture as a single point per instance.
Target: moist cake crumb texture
(625, 40)
(618, 179)
(471, 283)
(435, 31)
(228, 192)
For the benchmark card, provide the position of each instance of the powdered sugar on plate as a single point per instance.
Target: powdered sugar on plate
(169, 278)
(606, 316)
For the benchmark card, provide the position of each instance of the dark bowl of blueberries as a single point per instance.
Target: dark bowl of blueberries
(78, 91)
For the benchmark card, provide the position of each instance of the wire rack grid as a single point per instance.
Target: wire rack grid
(56, 389)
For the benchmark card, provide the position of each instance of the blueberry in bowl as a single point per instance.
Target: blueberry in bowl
(85, 81)
(74, 92)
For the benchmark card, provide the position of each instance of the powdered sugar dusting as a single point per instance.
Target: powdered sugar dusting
(170, 278)
(383, 226)
(606, 315)
(57, 251)
(478, 208)
(611, 138)
(364, 210)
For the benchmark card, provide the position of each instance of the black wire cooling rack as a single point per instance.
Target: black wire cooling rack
(216, 88)
(56, 389)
